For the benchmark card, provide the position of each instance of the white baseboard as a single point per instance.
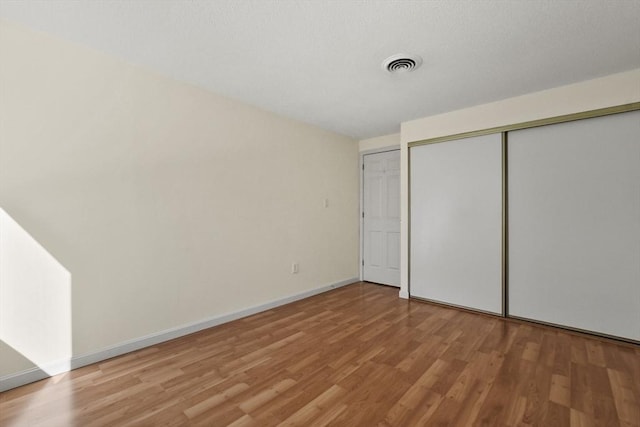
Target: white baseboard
(18, 379)
(404, 294)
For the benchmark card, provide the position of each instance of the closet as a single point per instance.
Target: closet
(538, 221)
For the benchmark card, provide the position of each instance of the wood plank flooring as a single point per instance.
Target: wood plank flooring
(355, 356)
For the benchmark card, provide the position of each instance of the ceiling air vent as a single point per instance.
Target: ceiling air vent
(401, 63)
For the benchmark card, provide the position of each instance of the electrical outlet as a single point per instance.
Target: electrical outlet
(294, 268)
(326, 203)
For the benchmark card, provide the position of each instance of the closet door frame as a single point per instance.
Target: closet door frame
(504, 130)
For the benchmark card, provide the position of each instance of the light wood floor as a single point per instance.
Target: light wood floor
(356, 356)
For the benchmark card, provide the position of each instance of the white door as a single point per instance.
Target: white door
(381, 218)
(456, 222)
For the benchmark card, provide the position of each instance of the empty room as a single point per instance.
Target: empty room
(320, 213)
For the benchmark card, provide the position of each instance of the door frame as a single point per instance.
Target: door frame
(395, 147)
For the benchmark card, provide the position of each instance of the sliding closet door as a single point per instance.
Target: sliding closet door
(574, 224)
(456, 217)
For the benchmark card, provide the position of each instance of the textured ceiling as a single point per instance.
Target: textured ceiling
(319, 60)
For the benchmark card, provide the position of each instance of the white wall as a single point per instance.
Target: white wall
(616, 89)
(378, 142)
(166, 204)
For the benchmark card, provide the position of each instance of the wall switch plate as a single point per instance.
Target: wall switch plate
(294, 268)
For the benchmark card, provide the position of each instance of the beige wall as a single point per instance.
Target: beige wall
(616, 89)
(378, 142)
(165, 203)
